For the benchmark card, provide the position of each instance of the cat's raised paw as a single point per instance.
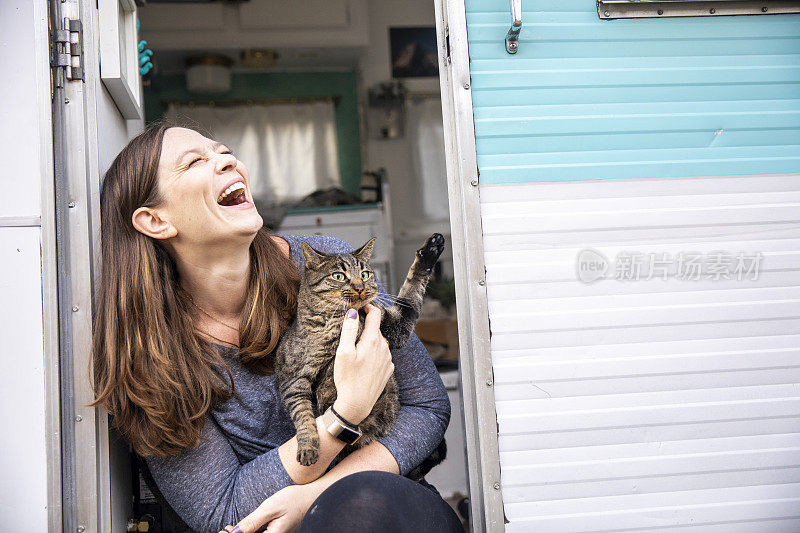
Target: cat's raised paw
(431, 250)
(307, 457)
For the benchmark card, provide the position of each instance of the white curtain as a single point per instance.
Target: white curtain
(289, 149)
(427, 147)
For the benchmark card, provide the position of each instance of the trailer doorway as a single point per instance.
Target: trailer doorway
(384, 149)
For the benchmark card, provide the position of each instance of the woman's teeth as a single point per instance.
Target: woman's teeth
(228, 194)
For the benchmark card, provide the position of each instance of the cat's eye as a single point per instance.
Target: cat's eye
(365, 275)
(338, 276)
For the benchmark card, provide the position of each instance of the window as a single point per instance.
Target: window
(289, 148)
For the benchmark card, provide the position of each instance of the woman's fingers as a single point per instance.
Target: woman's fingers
(265, 512)
(372, 324)
(347, 340)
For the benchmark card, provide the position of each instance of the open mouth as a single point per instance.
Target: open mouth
(233, 195)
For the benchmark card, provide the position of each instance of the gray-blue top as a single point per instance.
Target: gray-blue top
(236, 465)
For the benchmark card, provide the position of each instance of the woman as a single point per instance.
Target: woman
(194, 296)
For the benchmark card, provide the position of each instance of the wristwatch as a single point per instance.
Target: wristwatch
(339, 428)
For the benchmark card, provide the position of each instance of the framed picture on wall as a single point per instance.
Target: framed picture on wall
(119, 56)
(414, 52)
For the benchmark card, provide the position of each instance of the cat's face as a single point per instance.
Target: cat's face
(340, 281)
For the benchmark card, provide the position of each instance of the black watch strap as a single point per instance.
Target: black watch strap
(343, 419)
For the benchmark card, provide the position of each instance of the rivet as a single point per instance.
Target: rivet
(74, 308)
(466, 85)
(489, 382)
(496, 485)
(81, 529)
(763, 9)
(474, 183)
(712, 10)
(605, 13)
(71, 205)
(660, 11)
(481, 282)
(78, 418)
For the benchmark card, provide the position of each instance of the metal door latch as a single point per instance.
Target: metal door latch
(67, 51)
(512, 37)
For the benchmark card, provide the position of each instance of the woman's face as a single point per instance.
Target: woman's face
(205, 190)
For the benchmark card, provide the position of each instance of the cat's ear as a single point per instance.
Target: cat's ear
(312, 256)
(365, 252)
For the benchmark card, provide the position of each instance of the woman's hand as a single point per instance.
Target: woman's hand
(284, 511)
(360, 372)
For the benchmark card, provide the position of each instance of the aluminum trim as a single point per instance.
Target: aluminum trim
(468, 263)
(91, 507)
(617, 9)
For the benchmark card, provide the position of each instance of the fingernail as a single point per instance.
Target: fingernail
(237, 529)
(351, 313)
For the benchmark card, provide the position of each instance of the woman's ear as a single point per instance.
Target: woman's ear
(147, 221)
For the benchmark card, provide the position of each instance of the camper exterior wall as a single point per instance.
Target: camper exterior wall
(650, 403)
(587, 99)
(640, 404)
(30, 496)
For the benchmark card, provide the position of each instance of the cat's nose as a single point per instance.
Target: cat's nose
(359, 289)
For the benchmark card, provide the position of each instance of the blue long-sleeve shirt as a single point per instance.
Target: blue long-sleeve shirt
(236, 465)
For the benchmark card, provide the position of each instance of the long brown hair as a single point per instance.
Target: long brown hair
(151, 370)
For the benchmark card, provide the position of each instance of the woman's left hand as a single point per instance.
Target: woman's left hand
(284, 511)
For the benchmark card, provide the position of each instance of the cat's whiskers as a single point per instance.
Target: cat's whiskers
(328, 306)
(335, 305)
(391, 301)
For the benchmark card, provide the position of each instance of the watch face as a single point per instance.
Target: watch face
(339, 430)
(348, 436)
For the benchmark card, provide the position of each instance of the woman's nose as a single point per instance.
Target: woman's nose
(225, 163)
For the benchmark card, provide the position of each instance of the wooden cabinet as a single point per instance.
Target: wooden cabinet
(255, 24)
(309, 14)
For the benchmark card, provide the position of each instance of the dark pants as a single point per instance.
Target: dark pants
(379, 502)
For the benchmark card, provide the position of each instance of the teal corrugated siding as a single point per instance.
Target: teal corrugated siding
(588, 99)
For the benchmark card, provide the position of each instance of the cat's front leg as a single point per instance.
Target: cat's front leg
(428, 255)
(295, 375)
(399, 320)
(297, 399)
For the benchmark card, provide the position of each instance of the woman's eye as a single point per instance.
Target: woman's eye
(195, 161)
(365, 275)
(338, 276)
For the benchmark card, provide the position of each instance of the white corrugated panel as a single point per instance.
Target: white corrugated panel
(649, 404)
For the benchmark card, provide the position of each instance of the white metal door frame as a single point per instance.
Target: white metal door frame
(477, 382)
(87, 503)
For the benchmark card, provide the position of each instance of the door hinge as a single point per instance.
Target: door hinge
(66, 52)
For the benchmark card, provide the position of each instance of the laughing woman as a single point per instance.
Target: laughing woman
(194, 296)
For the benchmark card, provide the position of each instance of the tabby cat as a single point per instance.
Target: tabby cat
(330, 285)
